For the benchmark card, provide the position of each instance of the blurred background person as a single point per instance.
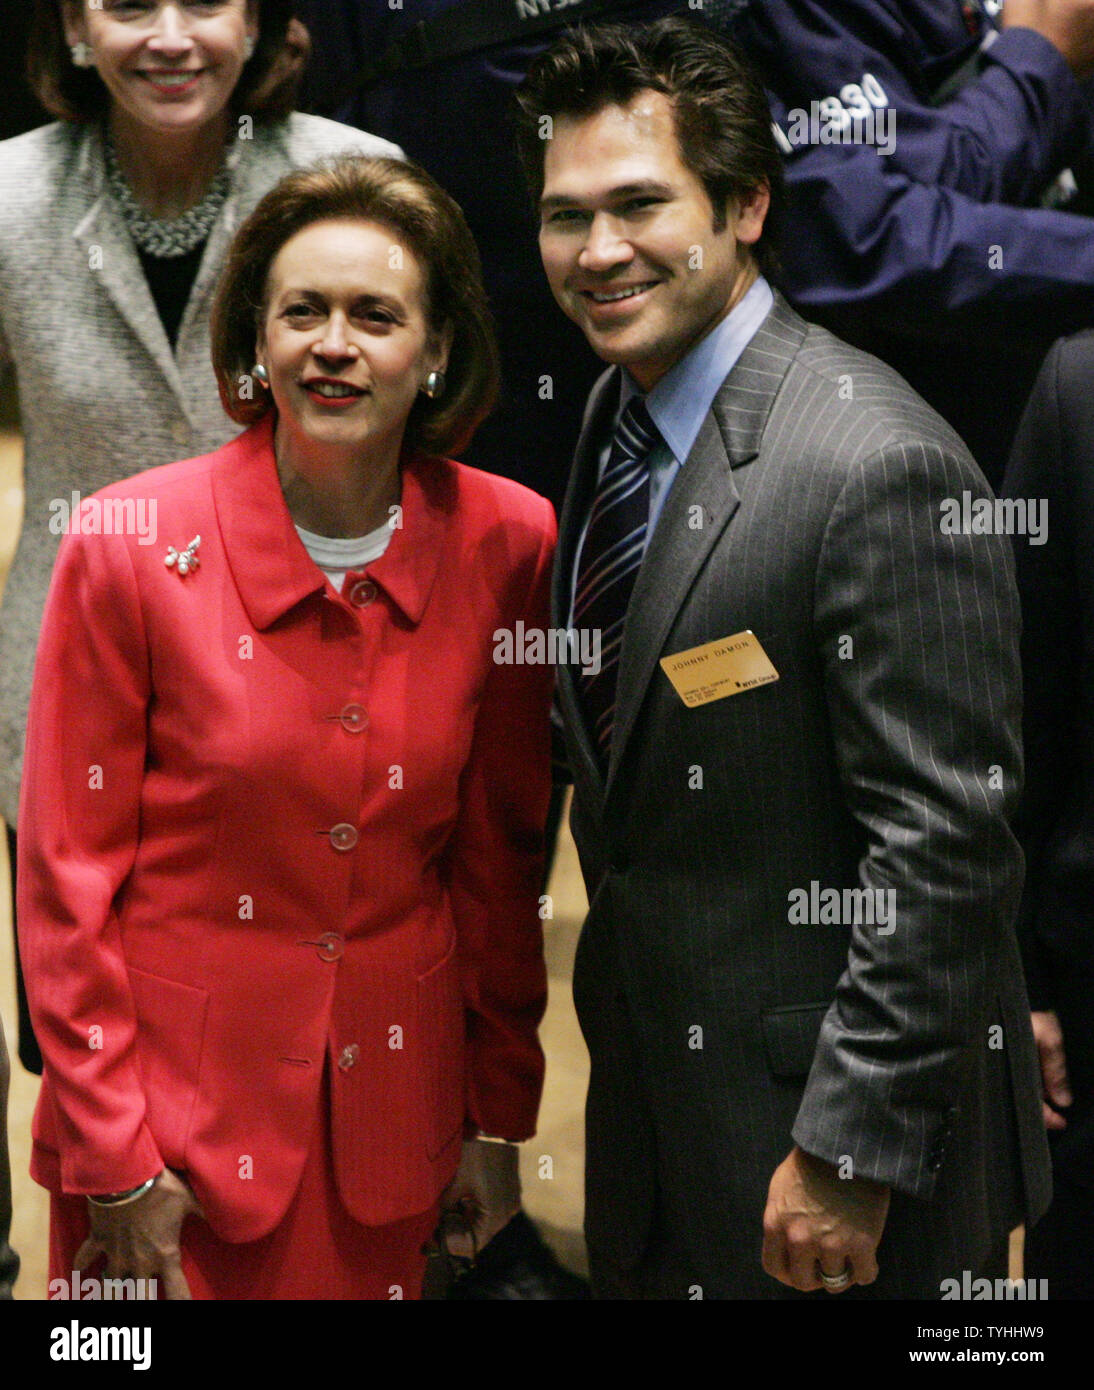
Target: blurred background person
(958, 249)
(298, 917)
(1052, 470)
(174, 119)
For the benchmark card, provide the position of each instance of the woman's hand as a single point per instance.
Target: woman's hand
(140, 1239)
(486, 1191)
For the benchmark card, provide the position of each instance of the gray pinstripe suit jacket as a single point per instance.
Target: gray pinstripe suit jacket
(102, 395)
(890, 761)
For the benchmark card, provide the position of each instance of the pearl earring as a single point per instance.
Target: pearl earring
(248, 48)
(434, 385)
(82, 56)
(261, 375)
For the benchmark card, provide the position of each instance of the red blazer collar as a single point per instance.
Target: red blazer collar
(272, 570)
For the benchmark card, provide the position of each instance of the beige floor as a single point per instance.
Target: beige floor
(550, 1163)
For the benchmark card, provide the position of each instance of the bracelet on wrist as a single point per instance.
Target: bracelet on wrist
(121, 1199)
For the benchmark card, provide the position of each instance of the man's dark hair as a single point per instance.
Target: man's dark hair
(723, 124)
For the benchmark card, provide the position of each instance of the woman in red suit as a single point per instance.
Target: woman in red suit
(280, 832)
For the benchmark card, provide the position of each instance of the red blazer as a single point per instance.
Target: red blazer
(262, 823)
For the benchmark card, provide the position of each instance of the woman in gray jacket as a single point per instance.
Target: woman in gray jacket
(174, 119)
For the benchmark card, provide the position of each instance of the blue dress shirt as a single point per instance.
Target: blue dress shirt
(679, 402)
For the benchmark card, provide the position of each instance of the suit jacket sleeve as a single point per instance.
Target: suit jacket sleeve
(1041, 467)
(497, 871)
(925, 715)
(78, 832)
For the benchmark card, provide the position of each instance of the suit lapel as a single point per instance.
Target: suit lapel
(112, 259)
(603, 401)
(729, 437)
(245, 159)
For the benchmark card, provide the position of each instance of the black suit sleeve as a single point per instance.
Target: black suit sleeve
(925, 711)
(1042, 468)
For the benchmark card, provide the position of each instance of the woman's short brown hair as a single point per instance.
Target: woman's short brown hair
(402, 197)
(266, 89)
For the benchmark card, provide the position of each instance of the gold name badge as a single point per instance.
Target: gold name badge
(717, 669)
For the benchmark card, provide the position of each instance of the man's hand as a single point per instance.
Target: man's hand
(141, 1239)
(1049, 1037)
(486, 1189)
(817, 1221)
(1069, 24)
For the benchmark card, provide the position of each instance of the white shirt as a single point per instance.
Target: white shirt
(337, 555)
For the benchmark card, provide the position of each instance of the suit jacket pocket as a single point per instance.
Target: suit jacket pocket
(790, 1036)
(170, 1031)
(441, 1029)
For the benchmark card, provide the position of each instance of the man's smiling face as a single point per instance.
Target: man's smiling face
(628, 241)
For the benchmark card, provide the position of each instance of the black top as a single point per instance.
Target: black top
(171, 279)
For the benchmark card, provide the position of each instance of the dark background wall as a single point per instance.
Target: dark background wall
(18, 109)
(18, 112)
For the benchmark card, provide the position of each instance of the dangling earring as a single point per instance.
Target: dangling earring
(248, 48)
(82, 56)
(261, 375)
(434, 385)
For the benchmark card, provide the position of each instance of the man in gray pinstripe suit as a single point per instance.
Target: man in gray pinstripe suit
(812, 1065)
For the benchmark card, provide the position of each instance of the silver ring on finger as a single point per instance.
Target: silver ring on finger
(836, 1282)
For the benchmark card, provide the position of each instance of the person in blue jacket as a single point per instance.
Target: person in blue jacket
(939, 170)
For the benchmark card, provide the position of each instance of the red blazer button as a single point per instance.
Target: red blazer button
(343, 837)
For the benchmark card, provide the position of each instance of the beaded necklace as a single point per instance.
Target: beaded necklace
(166, 237)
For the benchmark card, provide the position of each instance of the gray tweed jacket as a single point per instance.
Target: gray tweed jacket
(102, 395)
(724, 1022)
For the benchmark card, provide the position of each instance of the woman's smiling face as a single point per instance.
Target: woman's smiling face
(345, 338)
(169, 67)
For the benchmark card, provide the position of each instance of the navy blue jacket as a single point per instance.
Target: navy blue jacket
(938, 255)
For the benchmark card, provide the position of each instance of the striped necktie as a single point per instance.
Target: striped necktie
(611, 555)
